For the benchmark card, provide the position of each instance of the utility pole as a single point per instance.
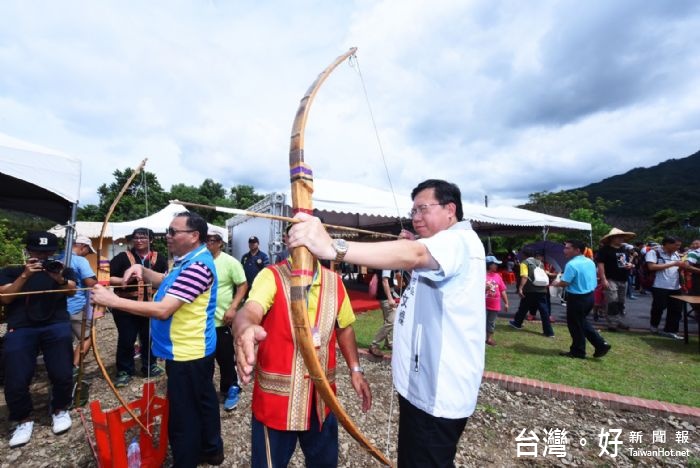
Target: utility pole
(488, 238)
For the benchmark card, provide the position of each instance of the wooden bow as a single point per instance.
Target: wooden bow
(301, 179)
(103, 276)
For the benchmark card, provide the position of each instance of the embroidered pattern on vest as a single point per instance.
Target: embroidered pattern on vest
(300, 385)
(280, 384)
(327, 302)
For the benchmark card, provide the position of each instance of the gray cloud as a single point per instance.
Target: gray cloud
(505, 98)
(610, 57)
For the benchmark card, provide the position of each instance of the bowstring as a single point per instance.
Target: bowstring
(355, 64)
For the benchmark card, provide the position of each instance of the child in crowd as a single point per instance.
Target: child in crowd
(495, 291)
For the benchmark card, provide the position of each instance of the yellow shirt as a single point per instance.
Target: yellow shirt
(523, 269)
(264, 289)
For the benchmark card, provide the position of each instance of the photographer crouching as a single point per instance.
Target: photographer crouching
(37, 322)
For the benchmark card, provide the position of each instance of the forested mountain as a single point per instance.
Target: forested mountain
(653, 202)
(646, 190)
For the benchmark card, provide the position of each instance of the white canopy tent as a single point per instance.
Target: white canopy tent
(349, 204)
(355, 205)
(498, 216)
(157, 222)
(38, 180)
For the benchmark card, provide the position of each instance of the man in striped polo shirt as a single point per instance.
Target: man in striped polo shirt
(183, 333)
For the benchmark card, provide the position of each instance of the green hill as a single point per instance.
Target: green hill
(645, 190)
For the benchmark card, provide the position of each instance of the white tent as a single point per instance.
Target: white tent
(493, 217)
(349, 204)
(355, 205)
(37, 180)
(346, 197)
(157, 222)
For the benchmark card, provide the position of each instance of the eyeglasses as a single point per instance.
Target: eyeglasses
(422, 209)
(138, 239)
(171, 231)
(212, 240)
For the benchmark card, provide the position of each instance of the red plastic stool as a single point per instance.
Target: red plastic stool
(111, 430)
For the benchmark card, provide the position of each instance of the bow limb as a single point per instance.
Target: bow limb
(103, 276)
(301, 179)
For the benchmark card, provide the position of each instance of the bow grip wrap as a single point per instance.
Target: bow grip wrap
(103, 277)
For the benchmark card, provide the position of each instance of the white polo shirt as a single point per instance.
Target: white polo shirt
(439, 330)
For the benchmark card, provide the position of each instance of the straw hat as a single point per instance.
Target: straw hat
(617, 232)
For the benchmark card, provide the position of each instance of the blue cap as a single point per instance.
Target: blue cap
(492, 259)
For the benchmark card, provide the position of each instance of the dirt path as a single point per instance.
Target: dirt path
(489, 439)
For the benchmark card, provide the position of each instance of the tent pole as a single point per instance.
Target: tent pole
(70, 230)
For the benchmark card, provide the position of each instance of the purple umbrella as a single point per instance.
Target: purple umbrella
(553, 253)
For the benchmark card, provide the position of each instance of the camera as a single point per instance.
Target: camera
(52, 266)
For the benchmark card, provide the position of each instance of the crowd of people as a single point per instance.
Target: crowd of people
(601, 282)
(206, 307)
(47, 304)
(188, 315)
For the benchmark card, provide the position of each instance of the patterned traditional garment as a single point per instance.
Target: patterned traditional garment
(283, 392)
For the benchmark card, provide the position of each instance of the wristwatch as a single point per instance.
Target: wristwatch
(359, 369)
(341, 248)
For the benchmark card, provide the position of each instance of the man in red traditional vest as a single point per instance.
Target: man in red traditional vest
(286, 409)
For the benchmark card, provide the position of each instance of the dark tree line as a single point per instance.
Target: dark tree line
(146, 196)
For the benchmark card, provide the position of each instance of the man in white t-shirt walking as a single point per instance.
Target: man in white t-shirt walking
(666, 263)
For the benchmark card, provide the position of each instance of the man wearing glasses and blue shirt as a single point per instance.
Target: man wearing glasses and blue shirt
(439, 330)
(182, 327)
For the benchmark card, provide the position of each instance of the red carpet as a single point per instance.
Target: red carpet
(361, 301)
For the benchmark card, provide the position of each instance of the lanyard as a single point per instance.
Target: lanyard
(308, 288)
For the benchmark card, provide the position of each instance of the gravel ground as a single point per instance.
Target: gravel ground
(489, 439)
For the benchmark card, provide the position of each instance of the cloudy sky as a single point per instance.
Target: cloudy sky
(504, 98)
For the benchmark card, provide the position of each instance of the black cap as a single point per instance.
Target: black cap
(41, 241)
(253, 239)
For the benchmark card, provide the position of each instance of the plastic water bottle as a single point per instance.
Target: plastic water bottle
(134, 454)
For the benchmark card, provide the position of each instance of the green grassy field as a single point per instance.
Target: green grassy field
(639, 364)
